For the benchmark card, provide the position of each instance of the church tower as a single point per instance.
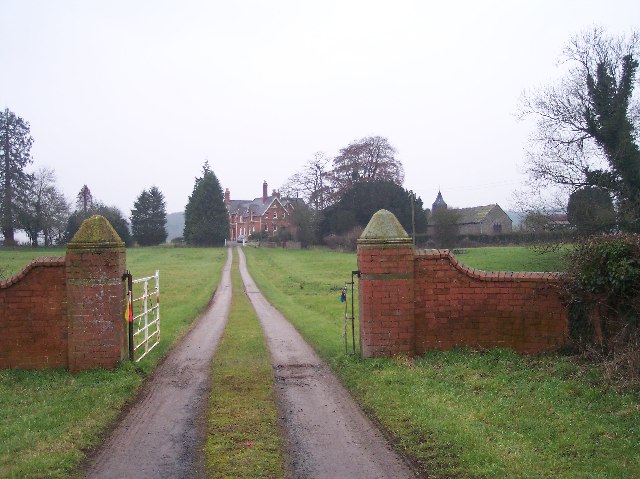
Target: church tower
(438, 204)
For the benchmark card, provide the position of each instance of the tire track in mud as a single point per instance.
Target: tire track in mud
(327, 435)
(161, 435)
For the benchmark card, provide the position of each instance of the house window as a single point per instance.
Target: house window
(284, 215)
(266, 227)
(497, 228)
(275, 215)
(275, 227)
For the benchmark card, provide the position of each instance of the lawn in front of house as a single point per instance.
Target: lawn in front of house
(463, 413)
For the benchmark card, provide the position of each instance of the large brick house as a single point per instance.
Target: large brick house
(269, 214)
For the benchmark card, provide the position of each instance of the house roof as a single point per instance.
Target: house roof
(475, 214)
(558, 218)
(257, 206)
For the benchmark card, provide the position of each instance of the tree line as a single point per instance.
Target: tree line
(342, 193)
(32, 202)
(585, 144)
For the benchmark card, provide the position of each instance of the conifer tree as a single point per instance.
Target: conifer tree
(15, 155)
(206, 220)
(149, 217)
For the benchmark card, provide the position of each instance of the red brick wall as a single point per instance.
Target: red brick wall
(411, 303)
(460, 306)
(33, 318)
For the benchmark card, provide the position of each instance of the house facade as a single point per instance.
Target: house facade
(269, 214)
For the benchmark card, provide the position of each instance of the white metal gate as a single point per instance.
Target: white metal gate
(144, 317)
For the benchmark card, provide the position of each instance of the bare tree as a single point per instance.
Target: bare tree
(368, 159)
(312, 183)
(46, 210)
(587, 123)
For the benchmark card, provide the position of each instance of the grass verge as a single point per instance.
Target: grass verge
(48, 419)
(243, 439)
(463, 414)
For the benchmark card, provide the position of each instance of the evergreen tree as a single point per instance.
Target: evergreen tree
(591, 210)
(358, 205)
(111, 213)
(86, 207)
(206, 219)
(149, 217)
(15, 155)
(445, 227)
(117, 220)
(84, 200)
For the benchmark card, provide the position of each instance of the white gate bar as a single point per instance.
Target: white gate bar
(147, 322)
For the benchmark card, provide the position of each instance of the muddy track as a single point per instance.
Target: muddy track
(327, 434)
(161, 435)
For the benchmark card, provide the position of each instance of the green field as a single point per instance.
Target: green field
(49, 418)
(463, 414)
(12, 260)
(513, 258)
(460, 414)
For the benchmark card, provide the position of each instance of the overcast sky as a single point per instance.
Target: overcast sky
(123, 95)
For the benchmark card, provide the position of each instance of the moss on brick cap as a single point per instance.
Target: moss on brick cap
(384, 226)
(96, 231)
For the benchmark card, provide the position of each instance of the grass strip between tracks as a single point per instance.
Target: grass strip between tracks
(243, 439)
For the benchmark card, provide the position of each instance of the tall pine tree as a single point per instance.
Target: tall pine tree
(15, 155)
(206, 220)
(149, 217)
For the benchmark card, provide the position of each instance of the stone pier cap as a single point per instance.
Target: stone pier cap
(384, 227)
(94, 233)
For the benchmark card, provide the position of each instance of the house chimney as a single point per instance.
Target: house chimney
(227, 197)
(265, 188)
